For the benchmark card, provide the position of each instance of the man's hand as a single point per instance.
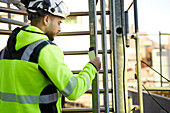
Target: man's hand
(96, 62)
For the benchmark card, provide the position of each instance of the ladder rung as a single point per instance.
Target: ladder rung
(9, 10)
(5, 32)
(100, 91)
(79, 33)
(83, 52)
(86, 13)
(101, 71)
(83, 109)
(77, 110)
(11, 21)
(8, 1)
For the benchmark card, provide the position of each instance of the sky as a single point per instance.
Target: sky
(153, 16)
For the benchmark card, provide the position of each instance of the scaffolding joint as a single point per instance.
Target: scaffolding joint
(131, 35)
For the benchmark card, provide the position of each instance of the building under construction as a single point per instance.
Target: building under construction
(120, 86)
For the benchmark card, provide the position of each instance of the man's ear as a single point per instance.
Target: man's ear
(46, 19)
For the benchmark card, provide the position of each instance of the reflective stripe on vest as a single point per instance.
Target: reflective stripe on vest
(26, 55)
(72, 84)
(87, 81)
(27, 99)
(70, 87)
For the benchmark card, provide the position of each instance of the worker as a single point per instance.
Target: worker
(33, 75)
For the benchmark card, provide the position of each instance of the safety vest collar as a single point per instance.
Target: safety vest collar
(28, 35)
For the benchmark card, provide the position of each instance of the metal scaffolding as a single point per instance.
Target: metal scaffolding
(117, 32)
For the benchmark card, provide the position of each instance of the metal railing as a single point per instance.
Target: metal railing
(138, 59)
(160, 51)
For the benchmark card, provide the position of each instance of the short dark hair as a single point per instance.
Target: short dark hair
(35, 17)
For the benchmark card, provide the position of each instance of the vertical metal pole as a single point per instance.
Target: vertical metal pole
(93, 43)
(113, 42)
(126, 39)
(160, 51)
(9, 16)
(127, 29)
(117, 19)
(140, 94)
(104, 47)
(119, 23)
(130, 104)
(127, 45)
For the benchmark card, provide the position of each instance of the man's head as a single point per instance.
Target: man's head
(46, 14)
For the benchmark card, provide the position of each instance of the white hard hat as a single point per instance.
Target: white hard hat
(55, 7)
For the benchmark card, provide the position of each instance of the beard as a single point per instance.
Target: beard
(50, 36)
(51, 33)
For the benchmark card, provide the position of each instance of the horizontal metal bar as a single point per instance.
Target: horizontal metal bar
(7, 1)
(149, 81)
(11, 21)
(73, 33)
(9, 10)
(16, 3)
(100, 91)
(75, 52)
(5, 32)
(77, 110)
(83, 52)
(79, 33)
(19, 5)
(164, 33)
(78, 71)
(86, 13)
(83, 110)
(158, 88)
